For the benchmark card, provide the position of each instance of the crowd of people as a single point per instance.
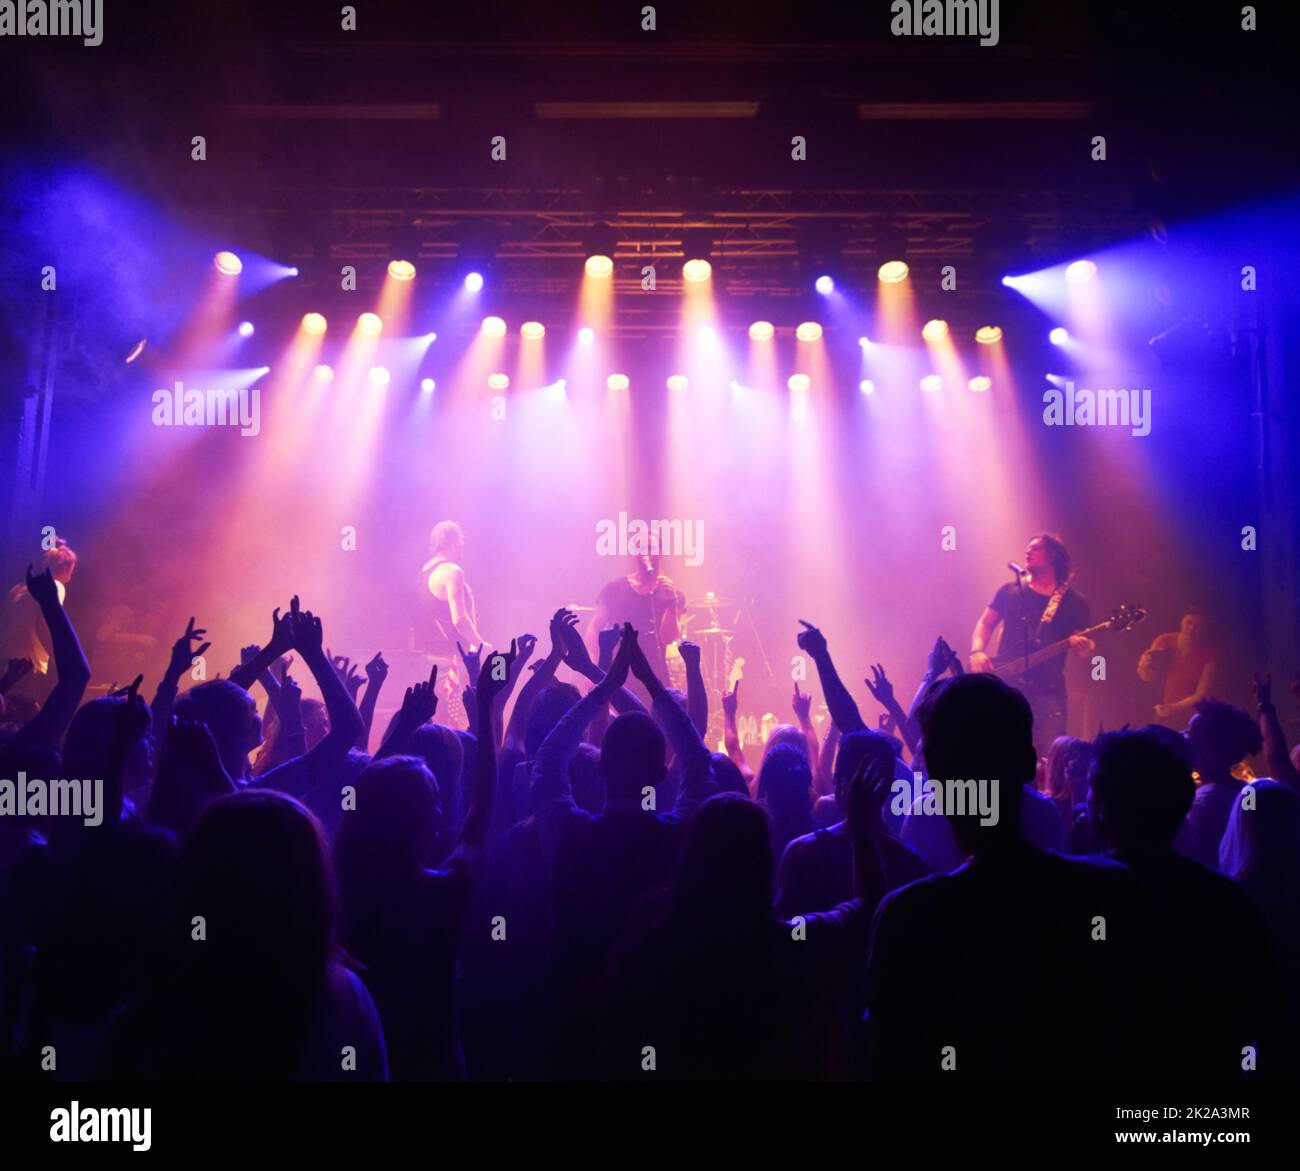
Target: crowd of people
(578, 887)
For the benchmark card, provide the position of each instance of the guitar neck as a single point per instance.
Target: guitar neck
(1020, 663)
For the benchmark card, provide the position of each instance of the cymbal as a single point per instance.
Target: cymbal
(712, 630)
(576, 609)
(703, 603)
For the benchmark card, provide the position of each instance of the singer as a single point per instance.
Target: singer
(1036, 608)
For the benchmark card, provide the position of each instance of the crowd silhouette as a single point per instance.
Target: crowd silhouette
(586, 890)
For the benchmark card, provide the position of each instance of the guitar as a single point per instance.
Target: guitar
(1011, 667)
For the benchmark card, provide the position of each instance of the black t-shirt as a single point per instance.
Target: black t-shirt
(1015, 607)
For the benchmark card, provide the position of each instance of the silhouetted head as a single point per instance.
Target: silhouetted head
(394, 829)
(1261, 843)
(88, 748)
(724, 882)
(633, 755)
(854, 749)
(440, 748)
(1068, 762)
(785, 784)
(785, 734)
(1141, 789)
(585, 779)
(975, 727)
(447, 540)
(727, 775)
(548, 710)
(315, 721)
(231, 716)
(1220, 737)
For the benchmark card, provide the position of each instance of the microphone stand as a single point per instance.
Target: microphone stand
(1024, 616)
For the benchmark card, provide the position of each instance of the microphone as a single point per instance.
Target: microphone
(1018, 570)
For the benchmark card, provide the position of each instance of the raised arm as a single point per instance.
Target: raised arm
(842, 707)
(376, 673)
(492, 679)
(802, 705)
(49, 724)
(578, 658)
(345, 720)
(731, 734)
(1276, 756)
(542, 676)
(697, 695)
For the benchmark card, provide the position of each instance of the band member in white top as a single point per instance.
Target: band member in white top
(455, 614)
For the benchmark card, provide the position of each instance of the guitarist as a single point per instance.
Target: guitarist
(1037, 609)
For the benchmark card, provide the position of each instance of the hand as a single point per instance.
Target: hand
(576, 654)
(557, 634)
(1261, 687)
(937, 663)
(133, 717)
(15, 669)
(637, 662)
(494, 675)
(1082, 646)
(289, 695)
(282, 629)
(811, 640)
(607, 641)
(527, 644)
(348, 674)
(690, 653)
(868, 791)
(472, 658)
(802, 706)
(248, 653)
(308, 637)
(420, 702)
(627, 651)
(731, 701)
(980, 663)
(882, 691)
(1164, 710)
(377, 670)
(183, 654)
(43, 588)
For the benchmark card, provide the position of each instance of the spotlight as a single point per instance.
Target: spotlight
(313, 323)
(430, 337)
(379, 376)
(498, 381)
(677, 382)
(228, 264)
(809, 331)
(324, 373)
(586, 335)
(1080, 271)
(137, 350)
(825, 285)
(616, 382)
(697, 270)
(736, 387)
(245, 329)
(761, 331)
(892, 271)
(931, 382)
(599, 266)
(935, 330)
(866, 386)
(798, 383)
(371, 324)
(864, 341)
(1010, 281)
(1059, 336)
(707, 333)
(428, 385)
(532, 330)
(988, 335)
(401, 270)
(980, 383)
(474, 281)
(293, 272)
(494, 327)
(1057, 380)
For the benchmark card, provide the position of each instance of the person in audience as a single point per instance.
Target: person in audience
(1220, 737)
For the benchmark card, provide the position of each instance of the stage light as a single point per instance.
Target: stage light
(677, 382)
(697, 270)
(494, 327)
(1080, 271)
(379, 376)
(532, 330)
(931, 382)
(430, 337)
(324, 373)
(1057, 380)
(935, 330)
(293, 272)
(735, 387)
(980, 383)
(825, 285)
(866, 386)
(498, 381)
(245, 329)
(137, 350)
(707, 333)
(428, 385)
(762, 331)
(616, 382)
(808, 331)
(1059, 336)
(798, 383)
(1010, 281)
(864, 341)
(892, 271)
(371, 324)
(228, 264)
(314, 323)
(401, 270)
(586, 335)
(474, 281)
(988, 335)
(599, 266)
